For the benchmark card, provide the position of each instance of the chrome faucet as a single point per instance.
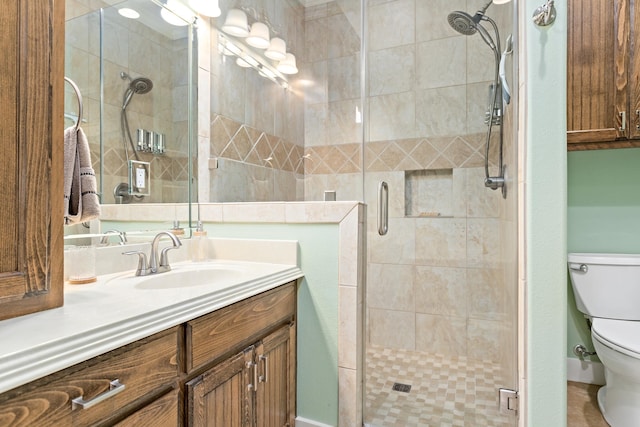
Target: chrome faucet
(104, 240)
(164, 259)
(153, 266)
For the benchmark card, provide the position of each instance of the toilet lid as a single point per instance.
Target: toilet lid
(622, 333)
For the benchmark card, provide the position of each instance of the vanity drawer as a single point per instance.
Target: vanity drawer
(231, 328)
(162, 412)
(139, 368)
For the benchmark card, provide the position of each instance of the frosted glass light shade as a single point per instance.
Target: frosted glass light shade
(177, 14)
(259, 36)
(236, 23)
(288, 65)
(501, 1)
(206, 7)
(277, 49)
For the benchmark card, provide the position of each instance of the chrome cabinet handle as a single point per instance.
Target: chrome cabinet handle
(265, 368)
(623, 115)
(115, 387)
(638, 119)
(583, 267)
(383, 208)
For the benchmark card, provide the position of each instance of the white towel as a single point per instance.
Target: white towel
(81, 201)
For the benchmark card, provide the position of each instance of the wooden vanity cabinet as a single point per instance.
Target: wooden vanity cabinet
(144, 371)
(235, 366)
(603, 74)
(255, 384)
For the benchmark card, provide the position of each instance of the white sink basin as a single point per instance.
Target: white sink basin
(208, 275)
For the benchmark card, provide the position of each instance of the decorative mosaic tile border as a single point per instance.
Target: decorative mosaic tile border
(237, 141)
(406, 154)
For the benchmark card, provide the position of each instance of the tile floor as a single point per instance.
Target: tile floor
(582, 406)
(444, 391)
(451, 392)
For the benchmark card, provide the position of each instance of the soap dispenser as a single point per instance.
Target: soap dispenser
(199, 244)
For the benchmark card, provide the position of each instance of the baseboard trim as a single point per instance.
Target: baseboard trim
(303, 422)
(585, 371)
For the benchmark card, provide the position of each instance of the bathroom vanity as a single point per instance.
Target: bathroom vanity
(134, 351)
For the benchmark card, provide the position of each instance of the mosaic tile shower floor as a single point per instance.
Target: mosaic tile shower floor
(445, 392)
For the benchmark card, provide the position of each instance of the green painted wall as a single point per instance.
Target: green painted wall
(317, 394)
(545, 204)
(603, 215)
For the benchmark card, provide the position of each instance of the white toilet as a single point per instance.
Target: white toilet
(607, 289)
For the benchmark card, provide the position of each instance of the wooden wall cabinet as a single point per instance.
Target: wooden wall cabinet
(244, 375)
(31, 134)
(603, 74)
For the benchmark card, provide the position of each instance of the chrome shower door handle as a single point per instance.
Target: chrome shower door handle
(383, 208)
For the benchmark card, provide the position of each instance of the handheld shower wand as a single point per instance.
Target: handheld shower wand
(468, 25)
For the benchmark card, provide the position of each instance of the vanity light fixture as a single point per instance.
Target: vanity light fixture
(501, 1)
(277, 49)
(288, 65)
(206, 7)
(176, 13)
(249, 58)
(259, 36)
(236, 23)
(128, 13)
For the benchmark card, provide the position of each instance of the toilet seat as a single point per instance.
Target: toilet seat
(620, 335)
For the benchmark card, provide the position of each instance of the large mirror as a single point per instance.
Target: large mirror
(255, 102)
(132, 62)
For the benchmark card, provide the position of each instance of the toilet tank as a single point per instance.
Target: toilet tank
(606, 285)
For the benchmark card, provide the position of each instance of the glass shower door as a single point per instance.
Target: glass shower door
(441, 293)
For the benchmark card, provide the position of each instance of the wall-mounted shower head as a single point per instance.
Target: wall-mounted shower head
(140, 86)
(468, 25)
(462, 22)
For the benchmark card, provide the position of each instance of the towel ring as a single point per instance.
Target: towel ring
(79, 96)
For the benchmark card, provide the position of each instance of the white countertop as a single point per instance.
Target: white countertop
(116, 310)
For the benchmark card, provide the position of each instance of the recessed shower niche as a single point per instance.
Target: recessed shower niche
(433, 193)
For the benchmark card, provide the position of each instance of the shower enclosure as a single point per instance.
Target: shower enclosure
(441, 293)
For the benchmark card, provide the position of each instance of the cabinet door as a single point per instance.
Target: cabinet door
(635, 71)
(31, 137)
(597, 70)
(275, 393)
(221, 397)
